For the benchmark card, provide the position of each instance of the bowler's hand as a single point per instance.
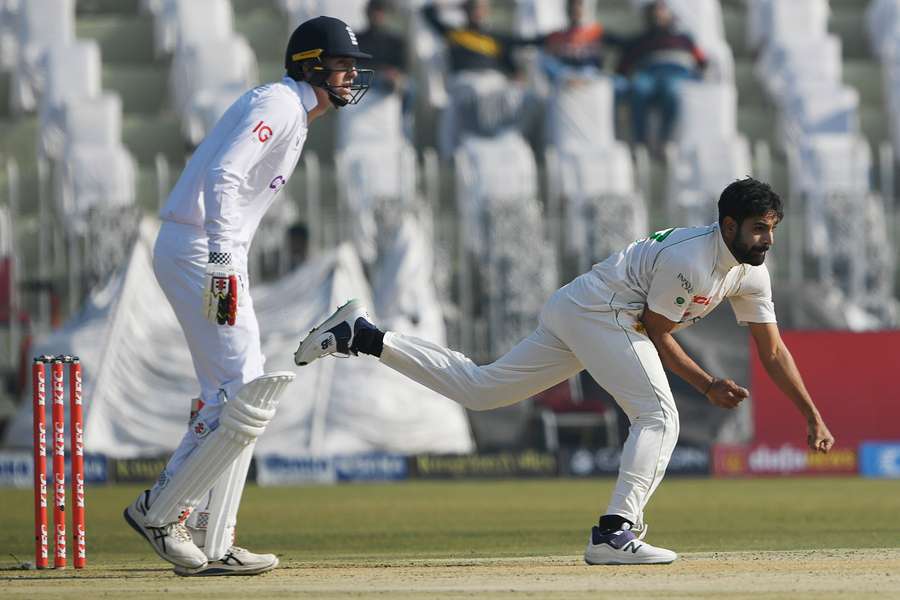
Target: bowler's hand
(725, 393)
(220, 293)
(818, 437)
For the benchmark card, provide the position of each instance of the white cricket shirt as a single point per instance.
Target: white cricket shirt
(680, 273)
(233, 176)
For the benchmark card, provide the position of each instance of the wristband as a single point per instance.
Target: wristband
(220, 258)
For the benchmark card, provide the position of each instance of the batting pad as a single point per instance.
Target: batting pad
(224, 500)
(242, 420)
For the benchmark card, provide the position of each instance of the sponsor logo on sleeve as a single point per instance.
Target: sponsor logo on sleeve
(679, 300)
(277, 183)
(687, 285)
(700, 300)
(263, 132)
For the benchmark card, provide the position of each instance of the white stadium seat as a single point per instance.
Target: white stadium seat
(698, 174)
(378, 119)
(882, 24)
(94, 120)
(186, 22)
(581, 115)
(95, 177)
(74, 72)
(602, 211)
(501, 221)
(377, 186)
(351, 12)
(199, 22)
(539, 17)
(814, 108)
(708, 111)
(782, 64)
(43, 25)
(206, 78)
(9, 43)
(777, 21)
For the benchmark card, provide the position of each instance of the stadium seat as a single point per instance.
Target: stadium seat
(814, 107)
(836, 163)
(701, 18)
(43, 24)
(378, 119)
(776, 21)
(582, 115)
(94, 120)
(882, 24)
(539, 17)
(73, 73)
(9, 43)
(94, 178)
(708, 111)
(206, 78)
(783, 63)
(592, 201)
(601, 210)
(501, 222)
(187, 22)
(351, 12)
(482, 103)
(699, 172)
(377, 187)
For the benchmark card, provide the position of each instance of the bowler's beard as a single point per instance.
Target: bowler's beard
(747, 254)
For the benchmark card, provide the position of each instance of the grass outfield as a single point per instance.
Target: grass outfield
(331, 539)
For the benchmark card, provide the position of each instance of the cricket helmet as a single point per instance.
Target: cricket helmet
(320, 38)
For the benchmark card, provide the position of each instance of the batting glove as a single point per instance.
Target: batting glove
(220, 294)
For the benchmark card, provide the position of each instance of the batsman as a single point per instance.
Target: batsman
(200, 261)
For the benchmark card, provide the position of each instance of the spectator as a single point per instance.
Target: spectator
(297, 243)
(388, 48)
(472, 47)
(574, 53)
(657, 61)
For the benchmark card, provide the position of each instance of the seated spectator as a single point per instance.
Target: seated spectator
(297, 243)
(472, 47)
(574, 53)
(388, 50)
(484, 101)
(657, 61)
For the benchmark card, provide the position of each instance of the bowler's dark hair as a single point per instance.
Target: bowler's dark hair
(748, 197)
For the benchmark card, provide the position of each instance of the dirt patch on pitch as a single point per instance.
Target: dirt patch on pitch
(871, 573)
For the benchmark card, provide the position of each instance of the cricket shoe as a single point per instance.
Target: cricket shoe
(335, 335)
(171, 542)
(623, 547)
(237, 561)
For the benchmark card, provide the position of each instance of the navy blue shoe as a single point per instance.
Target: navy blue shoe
(335, 335)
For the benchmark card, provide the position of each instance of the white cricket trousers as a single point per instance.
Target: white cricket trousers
(225, 358)
(569, 338)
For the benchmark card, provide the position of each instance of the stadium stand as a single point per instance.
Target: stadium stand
(799, 93)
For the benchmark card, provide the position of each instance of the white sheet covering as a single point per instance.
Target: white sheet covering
(139, 378)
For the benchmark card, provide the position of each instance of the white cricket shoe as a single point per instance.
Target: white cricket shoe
(237, 561)
(335, 335)
(171, 542)
(622, 547)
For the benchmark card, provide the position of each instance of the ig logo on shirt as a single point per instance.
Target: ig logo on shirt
(263, 132)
